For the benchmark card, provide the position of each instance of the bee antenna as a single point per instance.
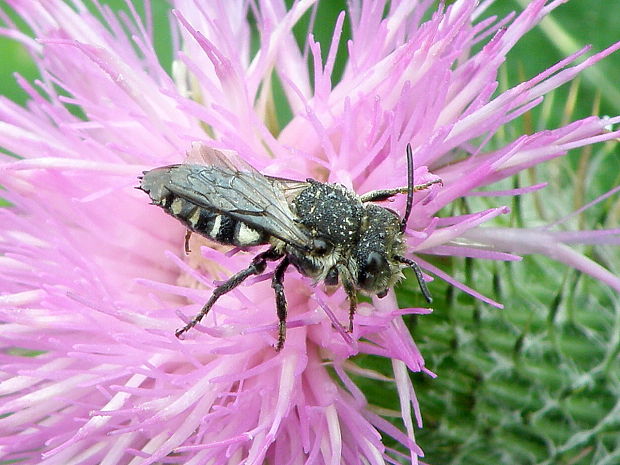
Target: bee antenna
(418, 274)
(410, 188)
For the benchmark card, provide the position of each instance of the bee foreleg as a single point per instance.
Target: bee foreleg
(384, 194)
(278, 287)
(257, 266)
(419, 276)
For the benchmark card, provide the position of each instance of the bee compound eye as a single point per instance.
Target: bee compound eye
(372, 266)
(374, 263)
(320, 246)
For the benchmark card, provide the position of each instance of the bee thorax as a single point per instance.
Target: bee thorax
(330, 211)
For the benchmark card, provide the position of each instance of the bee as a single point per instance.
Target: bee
(326, 231)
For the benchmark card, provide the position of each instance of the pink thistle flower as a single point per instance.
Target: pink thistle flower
(94, 281)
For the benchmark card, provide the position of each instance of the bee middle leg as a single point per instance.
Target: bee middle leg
(258, 265)
(352, 296)
(278, 287)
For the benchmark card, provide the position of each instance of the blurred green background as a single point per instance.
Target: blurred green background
(538, 382)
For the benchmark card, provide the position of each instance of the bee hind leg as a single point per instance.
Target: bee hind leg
(258, 265)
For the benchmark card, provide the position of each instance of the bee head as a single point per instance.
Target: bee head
(378, 255)
(380, 240)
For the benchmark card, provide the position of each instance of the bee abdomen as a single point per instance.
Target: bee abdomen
(211, 223)
(246, 236)
(216, 226)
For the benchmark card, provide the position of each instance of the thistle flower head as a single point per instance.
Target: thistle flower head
(94, 281)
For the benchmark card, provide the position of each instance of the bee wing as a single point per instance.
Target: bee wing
(291, 188)
(228, 160)
(241, 192)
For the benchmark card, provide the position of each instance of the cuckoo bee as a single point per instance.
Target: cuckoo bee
(326, 231)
